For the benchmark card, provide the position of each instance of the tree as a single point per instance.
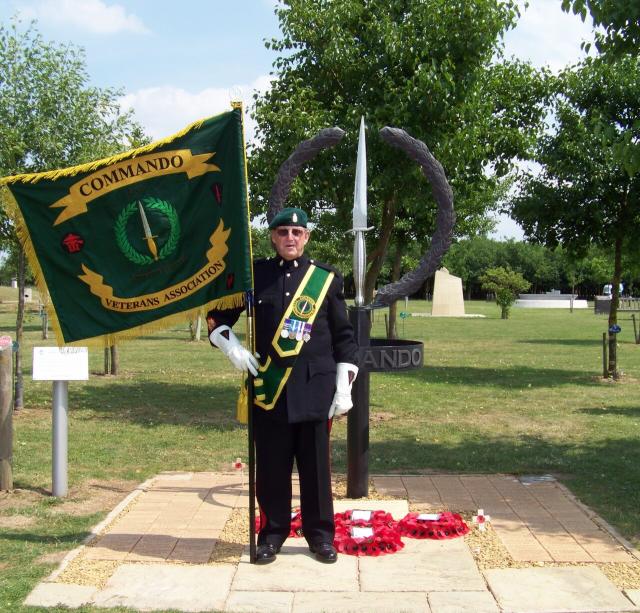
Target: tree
(533, 261)
(586, 274)
(506, 285)
(469, 258)
(405, 63)
(620, 20)
(50, 117)
(585, 195)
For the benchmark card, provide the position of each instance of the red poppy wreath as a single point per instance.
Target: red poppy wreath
(444, 525)
(296, 524)
(366, 533)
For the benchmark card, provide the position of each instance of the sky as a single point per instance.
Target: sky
(177, 62)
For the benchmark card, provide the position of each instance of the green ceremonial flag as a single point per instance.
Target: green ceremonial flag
(142, 237)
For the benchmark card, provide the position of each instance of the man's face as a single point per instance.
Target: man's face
(289, 241)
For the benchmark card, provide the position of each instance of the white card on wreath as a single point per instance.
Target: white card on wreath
(361, 532)
(361, 515)
(428, 517)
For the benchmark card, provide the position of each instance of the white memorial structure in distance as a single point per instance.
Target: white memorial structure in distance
(447, 295)
(551, 300)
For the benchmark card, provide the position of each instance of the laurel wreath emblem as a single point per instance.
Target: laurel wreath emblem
(122, 239)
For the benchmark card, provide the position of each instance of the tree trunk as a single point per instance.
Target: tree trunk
(376, 258)
(613, 311)
(18, 395)
(573, 291)
(623, 223)
(114, 359)
(44, 314)
(393, 308)
(45, 324)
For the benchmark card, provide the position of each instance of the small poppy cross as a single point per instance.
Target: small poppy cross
(238, 465)
(481, 519)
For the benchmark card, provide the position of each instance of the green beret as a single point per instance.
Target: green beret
(289, 217)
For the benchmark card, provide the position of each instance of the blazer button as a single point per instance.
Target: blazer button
(286, 293)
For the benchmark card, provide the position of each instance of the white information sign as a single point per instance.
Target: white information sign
(60, 363)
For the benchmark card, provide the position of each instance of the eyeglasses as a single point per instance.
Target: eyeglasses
(296, 232)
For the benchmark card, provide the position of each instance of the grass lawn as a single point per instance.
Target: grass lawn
(519, 396)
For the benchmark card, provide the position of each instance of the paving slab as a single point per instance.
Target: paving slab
(60, 595)
(397, 508)
(422, 492)
(433, 565)
(633, 596)
(151, 587)
(358, 602)
(259, 602)
(462, 602)
(179, 517)
(296, 569)
(390, 486)
(555, 590)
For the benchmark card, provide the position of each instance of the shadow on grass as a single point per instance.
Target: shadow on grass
(571, 342)
(28, 327)
(625, 412)
(510, 377)
(151, 403)
(177, 336)
(44, 539)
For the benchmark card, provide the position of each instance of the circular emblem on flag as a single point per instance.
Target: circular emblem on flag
(147, 230)
(304, 307)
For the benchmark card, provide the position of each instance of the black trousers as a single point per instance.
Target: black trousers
(277, 445)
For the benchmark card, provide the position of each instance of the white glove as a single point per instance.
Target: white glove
(224, 338)
(345, 377)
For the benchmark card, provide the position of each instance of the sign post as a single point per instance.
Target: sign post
(60, 438)
(60, 365)
(6, 413)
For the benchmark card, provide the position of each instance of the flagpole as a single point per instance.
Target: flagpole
(252, 458)
(237, 104)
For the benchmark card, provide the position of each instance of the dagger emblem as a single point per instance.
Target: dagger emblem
(153, 249)
(360, 217)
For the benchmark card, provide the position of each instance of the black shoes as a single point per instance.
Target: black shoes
(266, 553)
(325, 552)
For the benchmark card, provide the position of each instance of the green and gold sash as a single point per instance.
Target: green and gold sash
(302, 309)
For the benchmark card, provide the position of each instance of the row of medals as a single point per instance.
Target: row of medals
(295, 329)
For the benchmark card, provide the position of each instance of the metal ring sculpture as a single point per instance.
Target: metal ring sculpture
(445, 218)
(432, 170)
(290, 168)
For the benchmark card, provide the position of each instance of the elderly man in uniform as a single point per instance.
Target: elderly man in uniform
(308, 361)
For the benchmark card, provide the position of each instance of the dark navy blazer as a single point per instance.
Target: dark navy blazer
(309, 391)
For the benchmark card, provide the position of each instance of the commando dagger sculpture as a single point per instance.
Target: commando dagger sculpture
(360, 217)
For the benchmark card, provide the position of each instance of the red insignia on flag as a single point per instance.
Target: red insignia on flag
(72, 243)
